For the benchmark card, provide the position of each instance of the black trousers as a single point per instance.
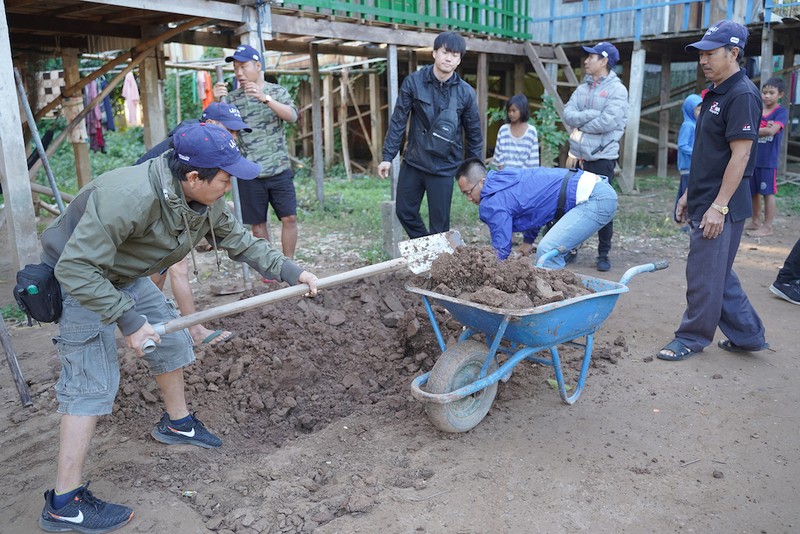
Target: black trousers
(412, 185)
(604, 167)
(791, 267)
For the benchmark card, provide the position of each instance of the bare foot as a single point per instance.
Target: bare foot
(752, 225)
(763, 231)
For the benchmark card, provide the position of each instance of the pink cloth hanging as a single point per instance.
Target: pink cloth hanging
(130, 92)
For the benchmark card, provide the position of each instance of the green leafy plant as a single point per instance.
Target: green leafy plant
(551, 134)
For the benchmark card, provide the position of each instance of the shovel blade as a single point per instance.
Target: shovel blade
(419, 253)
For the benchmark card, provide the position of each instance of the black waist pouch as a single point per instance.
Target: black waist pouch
(38, 293)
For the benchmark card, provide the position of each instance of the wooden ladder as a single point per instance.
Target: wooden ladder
(541, 55)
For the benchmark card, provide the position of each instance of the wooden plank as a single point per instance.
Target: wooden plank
(359, 115)
(519, 78)
(663, 116)
(343, 125)
(18, 212)
(79, 139)
(316, 125)
(635, 89)
(788, 59)
(122, 58)
(350, 32)
(376, 118)
(483, 97)
(197, 8)
(327, 120)
(549, 87)
(13, 365)
(152, 95)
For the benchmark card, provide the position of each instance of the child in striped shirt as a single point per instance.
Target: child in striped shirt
(517, 141)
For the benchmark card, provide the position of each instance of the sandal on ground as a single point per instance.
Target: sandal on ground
(675, 351)
(218, 337)
(730, 346)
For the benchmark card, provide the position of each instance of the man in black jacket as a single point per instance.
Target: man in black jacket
(425, 94)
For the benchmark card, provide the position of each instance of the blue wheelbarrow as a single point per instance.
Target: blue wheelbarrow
(461, 386)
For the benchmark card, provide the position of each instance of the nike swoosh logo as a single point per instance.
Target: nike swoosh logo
(77, 519)
(189, 434)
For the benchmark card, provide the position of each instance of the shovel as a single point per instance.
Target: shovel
(417, 255)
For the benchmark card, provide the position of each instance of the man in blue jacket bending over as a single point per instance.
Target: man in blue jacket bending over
(524, 200)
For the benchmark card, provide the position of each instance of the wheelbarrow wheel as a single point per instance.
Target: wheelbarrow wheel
(459, 366)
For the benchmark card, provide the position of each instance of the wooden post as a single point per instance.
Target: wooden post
(483, 96)
(788, 59)
(316, 124)
(394, 90)
(392, 231)
(343, 124)
(13, 365)
(519, 78)
(376, 119)
(767, 57)
(177, 97)
(663, 116)
(154, 117)
(328, 122)
(635, 89)
(74, 105)
(305, 121)
(19, 213)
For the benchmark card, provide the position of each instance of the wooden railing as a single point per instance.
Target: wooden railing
(500, 18)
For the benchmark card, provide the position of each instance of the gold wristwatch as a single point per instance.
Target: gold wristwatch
(722, 209)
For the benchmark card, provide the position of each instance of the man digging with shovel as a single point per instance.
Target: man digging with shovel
(120, 229)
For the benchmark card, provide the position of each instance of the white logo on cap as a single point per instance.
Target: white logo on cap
(232, 144)
(240, 48)
(735, 40)
(233, 110)
(184, 158)
(712, 29)
(605, 54)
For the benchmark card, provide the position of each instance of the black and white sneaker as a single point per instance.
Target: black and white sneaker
(788, 291)
(191, 433)
(85, 513)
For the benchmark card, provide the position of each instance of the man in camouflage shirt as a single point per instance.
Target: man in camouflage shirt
(265, 107)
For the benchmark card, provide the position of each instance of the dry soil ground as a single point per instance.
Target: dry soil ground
(322, 435)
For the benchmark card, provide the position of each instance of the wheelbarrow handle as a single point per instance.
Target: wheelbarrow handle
(646, 268)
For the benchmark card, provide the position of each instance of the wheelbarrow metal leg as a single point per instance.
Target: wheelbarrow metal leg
(434, 323)
(587, 357)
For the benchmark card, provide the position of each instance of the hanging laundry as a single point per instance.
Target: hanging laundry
(94, 124)
(109, 111)
(130, 92)
(208, 86)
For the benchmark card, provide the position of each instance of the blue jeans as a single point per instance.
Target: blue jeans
(579, 224)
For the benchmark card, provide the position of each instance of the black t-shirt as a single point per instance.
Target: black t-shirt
(729, 111)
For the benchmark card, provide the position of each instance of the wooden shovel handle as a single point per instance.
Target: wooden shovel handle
(267, 298)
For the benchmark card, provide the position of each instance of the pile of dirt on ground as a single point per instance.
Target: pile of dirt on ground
(475, 274)
(299, 364)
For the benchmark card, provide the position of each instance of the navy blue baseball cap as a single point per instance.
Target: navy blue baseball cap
(226, 114)
(724, 32)
(244, 53)
(606, 50)
(208, 146)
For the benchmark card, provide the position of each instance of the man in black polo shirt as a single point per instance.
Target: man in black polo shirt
(717, 202)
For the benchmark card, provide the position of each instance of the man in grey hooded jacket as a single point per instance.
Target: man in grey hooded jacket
(598, 112)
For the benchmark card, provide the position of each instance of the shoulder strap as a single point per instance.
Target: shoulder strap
(562, 195)
(453, 104)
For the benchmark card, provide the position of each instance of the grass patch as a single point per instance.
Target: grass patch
(12, 313)
(788, 199)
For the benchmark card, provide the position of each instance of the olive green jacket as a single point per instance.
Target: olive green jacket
(133, 222)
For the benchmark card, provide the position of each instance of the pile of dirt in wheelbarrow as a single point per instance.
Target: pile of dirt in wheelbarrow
(474, 273)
